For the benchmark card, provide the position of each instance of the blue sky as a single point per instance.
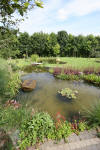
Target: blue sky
(74, 16)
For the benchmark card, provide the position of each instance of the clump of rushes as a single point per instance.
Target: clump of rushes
(93, 115)
(89, 71)
(12, 115)
(68, 93)
(57, 71)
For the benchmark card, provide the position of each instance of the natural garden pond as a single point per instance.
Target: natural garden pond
(45, 96)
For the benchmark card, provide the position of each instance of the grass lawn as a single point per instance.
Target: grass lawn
(76, 63)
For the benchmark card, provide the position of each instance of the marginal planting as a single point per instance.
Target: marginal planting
(93, 115)
(89, 75)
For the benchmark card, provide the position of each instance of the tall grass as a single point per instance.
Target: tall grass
(4, 76)
(93, 115)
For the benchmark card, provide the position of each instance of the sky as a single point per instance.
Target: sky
(74, 16)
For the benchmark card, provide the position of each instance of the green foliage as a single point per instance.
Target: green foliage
(13, 85)
(8, 8)
(62, 44)
(11, 118)
(56, 49)
(63, 130)
(67, 92)
(34, 57)
(82, 125)
(24, 44)
(62, 37)
(68, 77)
(36, 129)
(50, 60)
(93, 115)
(92, 78)
(9, 43)
(4, 76)
(9, 81)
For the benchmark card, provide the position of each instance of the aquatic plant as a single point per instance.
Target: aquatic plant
(67, 77)
(57, 71)
(89, 71)
(67, 92)
(92, 78)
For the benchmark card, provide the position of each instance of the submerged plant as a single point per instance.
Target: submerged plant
(67, 92)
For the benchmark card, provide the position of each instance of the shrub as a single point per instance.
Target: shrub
(50, 60)
(35, 129)
(34, 57)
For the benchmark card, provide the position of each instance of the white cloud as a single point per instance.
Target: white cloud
(78, 8)
(56, 16)
(39, 18)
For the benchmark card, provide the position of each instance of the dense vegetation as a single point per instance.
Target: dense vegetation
(61, 44)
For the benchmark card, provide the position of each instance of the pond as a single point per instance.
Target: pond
(45, 96)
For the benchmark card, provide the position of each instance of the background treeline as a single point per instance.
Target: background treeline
(15, 44)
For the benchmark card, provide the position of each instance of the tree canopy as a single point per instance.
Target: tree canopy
(13, 44)
(9, 7)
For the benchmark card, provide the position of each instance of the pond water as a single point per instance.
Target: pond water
(45, 96)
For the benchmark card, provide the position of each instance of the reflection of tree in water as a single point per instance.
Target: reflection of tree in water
(5, 141)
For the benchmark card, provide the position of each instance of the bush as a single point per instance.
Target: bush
(34, 57)
(50, 60)
(35, 129)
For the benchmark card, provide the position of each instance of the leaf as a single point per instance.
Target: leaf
(16, 1)
(39, 4)
(26, 4)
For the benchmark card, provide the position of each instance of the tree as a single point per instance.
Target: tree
(62, 37)
(56, 49)
(9, 7)
(8, 43)
(38, 43)
(24, 44)
(52, 44)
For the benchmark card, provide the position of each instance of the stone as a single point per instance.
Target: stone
(28, 85)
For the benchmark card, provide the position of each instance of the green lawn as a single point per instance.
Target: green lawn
(76, 63)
